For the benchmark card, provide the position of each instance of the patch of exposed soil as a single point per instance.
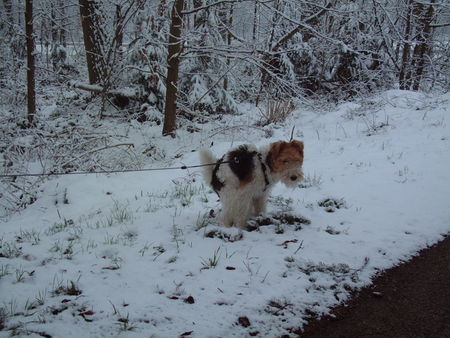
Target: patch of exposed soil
(409, 300)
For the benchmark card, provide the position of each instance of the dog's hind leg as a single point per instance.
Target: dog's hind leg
(259, 205)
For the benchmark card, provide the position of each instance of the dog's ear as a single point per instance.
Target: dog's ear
(276, 148)
(298, 145)
(274, 152)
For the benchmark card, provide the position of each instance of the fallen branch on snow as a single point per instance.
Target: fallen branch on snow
(128, 93)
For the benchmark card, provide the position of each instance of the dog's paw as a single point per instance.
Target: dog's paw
(227, 235)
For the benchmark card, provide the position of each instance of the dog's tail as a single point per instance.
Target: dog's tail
(207, 157)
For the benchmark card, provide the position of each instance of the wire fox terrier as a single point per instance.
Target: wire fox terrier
(244, 176)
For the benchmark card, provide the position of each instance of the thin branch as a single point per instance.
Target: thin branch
(215, 83)
(217, 3)
(301, 26)
(439, 25)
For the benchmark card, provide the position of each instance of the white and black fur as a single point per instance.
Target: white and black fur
(243, 179)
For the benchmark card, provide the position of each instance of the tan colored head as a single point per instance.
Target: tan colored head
(286, 159)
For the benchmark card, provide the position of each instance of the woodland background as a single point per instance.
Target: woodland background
(99, 98)
(167, 61)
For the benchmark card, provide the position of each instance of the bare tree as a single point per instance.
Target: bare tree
(93, 39)
(405, 73)
(7, 4)
(423, 46)
(173, 64)
(31, 67)
(417, 43)
(307, 26)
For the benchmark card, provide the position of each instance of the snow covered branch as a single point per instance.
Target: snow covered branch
(129, 93)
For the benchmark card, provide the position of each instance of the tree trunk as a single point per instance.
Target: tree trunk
(403, 80)
(62, 28)
(31, 92)
(53, 24)
(255, 21)
(7, 26)
(90, 22)
(229, 38)
(423, 47)
(119, 27)
(173, 62)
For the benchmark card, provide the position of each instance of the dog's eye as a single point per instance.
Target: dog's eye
(285, 162)
(236, 159)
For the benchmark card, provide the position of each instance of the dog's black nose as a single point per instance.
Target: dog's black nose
(293, 178)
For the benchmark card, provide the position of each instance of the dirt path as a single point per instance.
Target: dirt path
(410, 300)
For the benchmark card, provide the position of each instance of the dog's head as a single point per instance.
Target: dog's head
(286, 160)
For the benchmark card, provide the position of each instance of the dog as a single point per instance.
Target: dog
(244, 176)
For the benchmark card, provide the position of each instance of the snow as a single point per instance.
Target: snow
(132, 247)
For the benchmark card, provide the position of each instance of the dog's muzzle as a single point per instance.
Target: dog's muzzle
(291, 178)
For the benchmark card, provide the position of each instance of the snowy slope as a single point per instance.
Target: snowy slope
(136, 254)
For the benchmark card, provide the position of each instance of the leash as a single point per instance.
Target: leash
(184, 167)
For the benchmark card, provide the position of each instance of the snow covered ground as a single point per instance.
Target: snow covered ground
(137, 254)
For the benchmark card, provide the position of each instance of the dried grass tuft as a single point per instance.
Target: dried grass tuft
(276, 112)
